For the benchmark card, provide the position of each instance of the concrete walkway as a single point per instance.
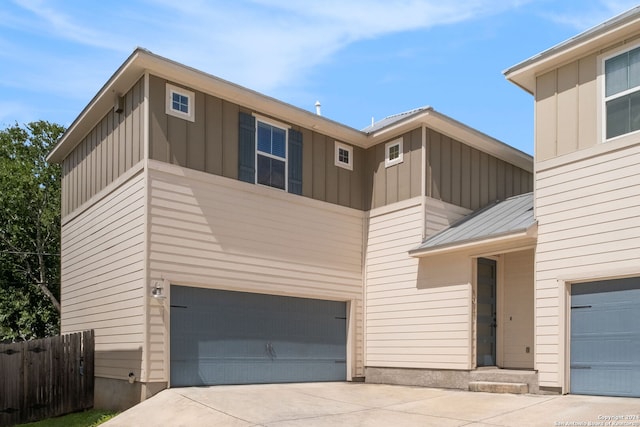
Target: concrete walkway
(357, 404)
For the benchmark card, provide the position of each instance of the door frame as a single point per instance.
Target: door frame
(498, 307)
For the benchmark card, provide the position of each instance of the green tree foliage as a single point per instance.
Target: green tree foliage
(29, 232)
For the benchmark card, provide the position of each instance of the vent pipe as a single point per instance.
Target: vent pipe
(318, 112)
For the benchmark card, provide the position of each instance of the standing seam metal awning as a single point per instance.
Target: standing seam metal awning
(505, 220)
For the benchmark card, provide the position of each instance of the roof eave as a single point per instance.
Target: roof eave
(141, 60)
(524, 74)
(528, 234)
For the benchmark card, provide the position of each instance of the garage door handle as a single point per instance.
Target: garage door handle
(581, 306)
(580, 367)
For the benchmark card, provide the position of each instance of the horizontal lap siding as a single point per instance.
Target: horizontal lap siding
(214, 232)
(103, 278)
(410, 324)
(587, 215)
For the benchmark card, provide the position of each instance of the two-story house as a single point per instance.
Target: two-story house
(587, 205)
(214, 235)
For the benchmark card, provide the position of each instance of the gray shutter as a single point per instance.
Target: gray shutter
(295, 161)
(247, 148)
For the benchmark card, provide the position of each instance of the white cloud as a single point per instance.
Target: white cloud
(264, 44)
(591, 14)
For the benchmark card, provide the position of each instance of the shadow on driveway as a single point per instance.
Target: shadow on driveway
(358, 404)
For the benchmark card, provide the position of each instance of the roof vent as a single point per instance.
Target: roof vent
(318, 112)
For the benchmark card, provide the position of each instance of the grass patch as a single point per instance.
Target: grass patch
(90, 418)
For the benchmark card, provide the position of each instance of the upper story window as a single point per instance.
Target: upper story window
(393, 152)
(180, 102)
(343, 156)
(271, 155)
(622, 93)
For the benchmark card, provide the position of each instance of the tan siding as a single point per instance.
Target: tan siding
(587, 106)
(399, 182)
(546, 117)
(587, 214)
(461, 175)
(210, 144)
(94, 163)
(213, 232)
(103, 278)
(517, 313)
(567, 108)
(411, 321)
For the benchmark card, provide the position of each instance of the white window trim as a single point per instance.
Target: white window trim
(191, 96)
(601, 84)
(284, 127)
(340, 146)
(387, 147)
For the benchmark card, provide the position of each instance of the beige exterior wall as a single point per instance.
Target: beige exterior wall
(210, 144)
(110, 149)
(567, 101)
(213, 232)
(103, 275)
(413, 320)
(515, 303)
(587, 211)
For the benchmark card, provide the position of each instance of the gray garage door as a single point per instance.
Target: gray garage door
(223, 337)
(605, 338)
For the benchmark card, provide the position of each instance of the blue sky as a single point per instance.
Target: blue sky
(360, 59)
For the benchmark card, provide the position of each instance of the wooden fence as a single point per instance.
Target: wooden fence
(45, 378)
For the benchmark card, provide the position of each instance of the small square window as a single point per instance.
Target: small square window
(180, 102)
(344, 156)
(393, 152)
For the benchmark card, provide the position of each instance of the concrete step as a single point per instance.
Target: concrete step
(498, 387)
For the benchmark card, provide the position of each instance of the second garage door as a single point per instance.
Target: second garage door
(225, 337)
(605, 338)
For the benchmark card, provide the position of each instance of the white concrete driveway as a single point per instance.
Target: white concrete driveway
(358, 404)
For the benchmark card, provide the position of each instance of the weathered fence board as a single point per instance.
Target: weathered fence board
(45, 378)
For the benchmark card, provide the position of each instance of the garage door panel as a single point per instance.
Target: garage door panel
(605, 338)
(224, 337)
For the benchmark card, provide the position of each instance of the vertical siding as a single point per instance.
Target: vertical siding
(103, 278)
(587, 213)
(413, 321)
(111, 148)
(566, 109)
(210, 144)
(517, 315)
(464, 176)
(213, 232)
(399, 182)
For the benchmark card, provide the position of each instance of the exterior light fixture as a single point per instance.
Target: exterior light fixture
(157, 292)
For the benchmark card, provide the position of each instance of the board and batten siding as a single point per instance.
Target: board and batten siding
(388, 185)
(566, 109)
(210, 144)
(461, 175)
(412, 322)
(110, 149)
(566, 105)
(102, 276)
(588, 226)
(213, 232)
